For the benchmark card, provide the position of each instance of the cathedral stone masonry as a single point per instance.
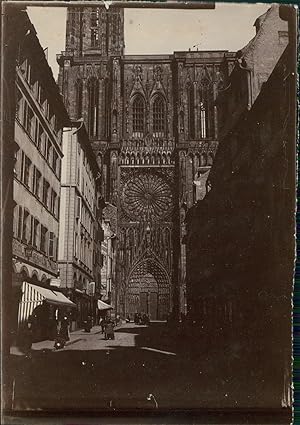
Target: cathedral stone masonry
(152, 122)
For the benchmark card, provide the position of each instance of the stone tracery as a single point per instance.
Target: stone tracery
(147, 196)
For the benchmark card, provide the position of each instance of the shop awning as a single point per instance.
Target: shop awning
(103, 306)
(53, 297)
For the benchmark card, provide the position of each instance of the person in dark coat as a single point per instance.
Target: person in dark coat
(109, 330)
(64, 329)
(27, 338)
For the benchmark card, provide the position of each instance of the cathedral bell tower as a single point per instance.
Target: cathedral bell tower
(94, 48)
(95, 31)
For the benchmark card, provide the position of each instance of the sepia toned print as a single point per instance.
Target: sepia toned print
(149, 209)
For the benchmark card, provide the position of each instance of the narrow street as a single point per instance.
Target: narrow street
(92, 373)
(120, 373)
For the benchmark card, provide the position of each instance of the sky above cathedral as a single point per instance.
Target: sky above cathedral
(154, 31)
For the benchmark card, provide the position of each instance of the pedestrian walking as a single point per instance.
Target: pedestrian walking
(64, 329)
(88, 324)
(102, 323)
(109, 330)
(27, 338)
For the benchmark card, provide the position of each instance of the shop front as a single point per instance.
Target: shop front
(43, 307)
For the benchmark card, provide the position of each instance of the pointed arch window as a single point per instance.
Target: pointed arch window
(93, 106)
(79, 99)
(206, 119)
(191, 111)
(138, 116)
(159, 116)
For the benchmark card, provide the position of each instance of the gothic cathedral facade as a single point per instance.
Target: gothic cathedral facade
(152, 123)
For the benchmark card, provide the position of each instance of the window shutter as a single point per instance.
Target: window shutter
(15, 223)
(38, 236)
(20, 221)
(51, 245)
(33, 179)
(31, 221)
(22, 166)
(78, 209)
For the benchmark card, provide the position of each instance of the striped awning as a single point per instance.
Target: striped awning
(34, 295)
(103, 306)
(53, 297)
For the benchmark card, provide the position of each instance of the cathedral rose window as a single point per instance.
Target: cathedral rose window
(147, 197)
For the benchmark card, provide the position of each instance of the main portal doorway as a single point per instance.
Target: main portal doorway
(148, 292)
(148, 296)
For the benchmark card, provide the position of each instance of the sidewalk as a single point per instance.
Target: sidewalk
(75, 336)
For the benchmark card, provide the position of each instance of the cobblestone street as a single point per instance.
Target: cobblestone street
(92, 373)
(120, 373)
